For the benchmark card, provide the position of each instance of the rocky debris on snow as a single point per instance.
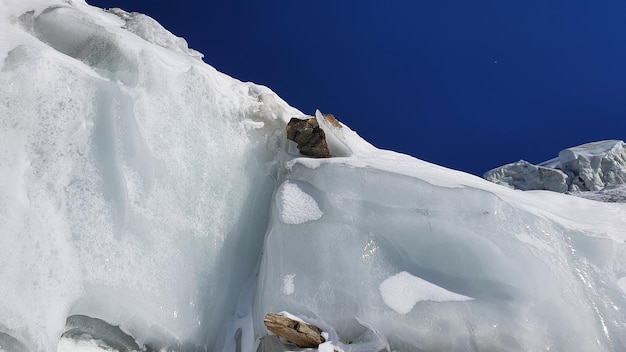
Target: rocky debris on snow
(589, 167)
(310, 138)
(332, 120)
(526, 176)
(297, 332)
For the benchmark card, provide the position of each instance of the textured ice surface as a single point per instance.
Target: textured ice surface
(142, 188)
(596, 166)
(132, 190)
(537, 280)
(525, 176)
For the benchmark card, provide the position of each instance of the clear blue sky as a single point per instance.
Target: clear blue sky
(465, 84)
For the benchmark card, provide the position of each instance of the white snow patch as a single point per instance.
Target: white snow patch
(329, 346)
(295, 206)
(402, 291)
(87, 345)
(288, 287)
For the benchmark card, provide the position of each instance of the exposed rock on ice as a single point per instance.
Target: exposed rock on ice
(310, 138)
(332, 120)
(297, 332)
(588, 167)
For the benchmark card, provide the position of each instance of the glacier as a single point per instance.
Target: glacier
(149, 201)
(595, 170)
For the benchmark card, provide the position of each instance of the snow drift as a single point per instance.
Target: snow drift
(141, 188)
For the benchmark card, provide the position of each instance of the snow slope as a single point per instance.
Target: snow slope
(144, 189)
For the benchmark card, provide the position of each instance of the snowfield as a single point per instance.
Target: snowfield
(141, 188)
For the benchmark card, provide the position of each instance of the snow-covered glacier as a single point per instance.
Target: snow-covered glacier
(148, 201)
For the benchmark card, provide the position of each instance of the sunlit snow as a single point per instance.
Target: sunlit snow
(147, 199)
(402, 291)
(295, 206)
(288, 287)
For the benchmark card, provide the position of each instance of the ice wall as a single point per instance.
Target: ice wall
(436, 268)
(135, 180)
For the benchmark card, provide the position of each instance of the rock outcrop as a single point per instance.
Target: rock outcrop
(297, 332)
(588, 167)
(310, 138)
(332, 120)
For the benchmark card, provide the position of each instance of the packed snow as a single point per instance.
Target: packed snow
(296, 206)
(148, 200)
(288, 287)
(402, 291)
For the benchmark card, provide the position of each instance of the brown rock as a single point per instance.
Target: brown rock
(332, 120)
(310, 138)
(299, 333)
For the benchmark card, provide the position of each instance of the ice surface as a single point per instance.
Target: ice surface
(524, 176)
(589, 150)
(143, 189)
(528, 275)
(594, 166)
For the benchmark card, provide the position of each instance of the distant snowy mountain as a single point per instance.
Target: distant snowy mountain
(594, 170)
(148, 201)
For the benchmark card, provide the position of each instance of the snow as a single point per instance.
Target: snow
(288, 287)
(402, 291)
(296, 206)
(144, 189)
(590, 150)
(88, 345)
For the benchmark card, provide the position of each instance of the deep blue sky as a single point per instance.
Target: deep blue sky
(467, 84)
